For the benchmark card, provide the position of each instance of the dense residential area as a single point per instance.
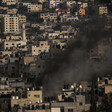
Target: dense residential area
(55, 55)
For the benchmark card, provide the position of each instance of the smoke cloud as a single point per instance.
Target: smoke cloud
(74, 64)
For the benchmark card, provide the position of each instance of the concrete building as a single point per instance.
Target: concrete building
(104, 81)
(39, 107)
(4, 60)
(103, 10)
(12, 44)
(84, 5)
(8, 45)
(82, 12)
(33, 97)
(29, 59)
(9, 85)
(10, 24)
(41, 1)
(13, 37)
(5, 103)
(22, 18)
(108, 89)
(10, 2)
(33, 66)
(78, 106)
(55, 3)
(12, 11)
(70, 3)
(40, 110)
(33, 7)
(69, 18)
(43, 48)
(49, 16)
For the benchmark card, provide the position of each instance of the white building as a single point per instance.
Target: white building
(43, 48)
(13, 44)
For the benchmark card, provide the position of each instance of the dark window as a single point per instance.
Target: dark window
(13, 74)
(37, 96)
(106, 81)
(39, 66)
(13, 67)
(70, 110)
(16, 105)
(62, 109)
(6, 68)
(80, 103)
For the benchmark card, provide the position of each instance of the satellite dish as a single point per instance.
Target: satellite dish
(72, 87)
(80, 86)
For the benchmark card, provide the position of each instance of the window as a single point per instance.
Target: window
(39, 66)
(37, 96)
(13, 68)
(70, 110)
(62, 109)
(16, 105)
(6, 48)
(80, 103)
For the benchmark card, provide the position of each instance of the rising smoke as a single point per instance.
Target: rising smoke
(74, 63)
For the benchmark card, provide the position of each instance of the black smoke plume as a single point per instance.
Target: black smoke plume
(74, 63)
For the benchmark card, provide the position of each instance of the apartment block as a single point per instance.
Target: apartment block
(10, 24)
